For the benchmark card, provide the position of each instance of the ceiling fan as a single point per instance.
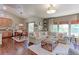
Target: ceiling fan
(51, 9)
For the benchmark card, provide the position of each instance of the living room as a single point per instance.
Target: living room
(39, 29)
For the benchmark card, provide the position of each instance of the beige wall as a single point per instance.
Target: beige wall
(65, 18)
(68, 17)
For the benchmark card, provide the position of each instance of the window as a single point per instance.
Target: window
(64, 28)
(69, 29)
(55, 28)
(31, 27)
(75, 29)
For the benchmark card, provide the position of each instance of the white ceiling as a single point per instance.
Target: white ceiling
(39, 10)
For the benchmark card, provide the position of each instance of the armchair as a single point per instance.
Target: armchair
(37, 37)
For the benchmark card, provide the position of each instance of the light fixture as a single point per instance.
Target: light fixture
(51, 9)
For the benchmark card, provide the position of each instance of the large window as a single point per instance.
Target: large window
(31, 27)
(75, 29)
(70, 29)
(64, 28)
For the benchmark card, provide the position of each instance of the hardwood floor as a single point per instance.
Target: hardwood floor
(9, 49)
